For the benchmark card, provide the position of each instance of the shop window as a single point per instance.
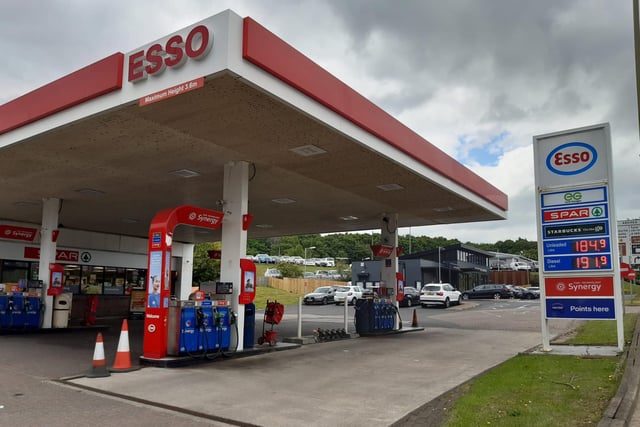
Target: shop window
(13, 271)
(134, 279)
(91, 279)
(113, 281)
(72, 275)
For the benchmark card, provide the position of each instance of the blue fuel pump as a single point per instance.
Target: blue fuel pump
(20, 311)
(18, 314)
(204, 329)
(188, 330)
(5, 312)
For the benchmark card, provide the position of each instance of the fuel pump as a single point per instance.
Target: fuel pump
(200, 327)
(6, 306)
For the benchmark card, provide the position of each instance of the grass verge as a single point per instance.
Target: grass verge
(545, 390)
(264, 293)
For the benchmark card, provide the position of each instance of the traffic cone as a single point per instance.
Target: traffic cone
(99, 366)
(414, 323)
(123, 355)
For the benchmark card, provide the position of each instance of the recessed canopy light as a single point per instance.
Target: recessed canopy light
(264, 226)
(308, 150)
(283, 201)
(27, 204)
(443, 209)
(348, 218)
(90, 191)
(390, 187)
(185, 173)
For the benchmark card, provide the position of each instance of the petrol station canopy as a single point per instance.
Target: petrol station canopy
(117, 144)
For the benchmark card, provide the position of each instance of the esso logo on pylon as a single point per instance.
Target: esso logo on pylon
(572, 158)
(173, 54)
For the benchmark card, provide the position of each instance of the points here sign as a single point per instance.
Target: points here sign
(577, 231)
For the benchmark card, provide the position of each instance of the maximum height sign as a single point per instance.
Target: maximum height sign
(577, 231)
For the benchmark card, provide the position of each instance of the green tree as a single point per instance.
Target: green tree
(289, 270)
(205, 269)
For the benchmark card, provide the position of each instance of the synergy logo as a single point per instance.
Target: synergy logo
(572, 158)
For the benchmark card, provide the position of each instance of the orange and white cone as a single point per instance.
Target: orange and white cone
(123, 354)
(414, 324)
(99, 365)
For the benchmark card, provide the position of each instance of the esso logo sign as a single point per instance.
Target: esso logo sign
(572, 158)
(173, 54)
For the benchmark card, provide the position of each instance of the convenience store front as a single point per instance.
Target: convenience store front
(117, 279)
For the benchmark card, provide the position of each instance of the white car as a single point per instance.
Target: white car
(347, 293)
(273, 272)
(440, 293)
(517, 265)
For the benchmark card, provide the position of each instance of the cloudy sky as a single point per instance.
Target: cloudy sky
(478, 79)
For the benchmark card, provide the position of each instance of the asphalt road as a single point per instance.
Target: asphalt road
(33, 363)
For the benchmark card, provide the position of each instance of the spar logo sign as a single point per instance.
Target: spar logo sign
(572, 158)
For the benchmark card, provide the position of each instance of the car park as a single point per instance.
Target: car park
(322, 295)
(495, 291)
(411, 297)
(439, 293)
(350, 294)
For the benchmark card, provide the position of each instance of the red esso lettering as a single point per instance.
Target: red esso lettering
(175, 52)
(561, 158)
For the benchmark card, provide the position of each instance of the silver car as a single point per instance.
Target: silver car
(322, 295)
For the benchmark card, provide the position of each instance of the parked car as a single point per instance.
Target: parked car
(488, 291)
(262, 258)
(530, 293)
(335, 275)
(322, 295)
(272, 272)
(411, 297)
(439, 293)
(350, 294)
(322, 274)
(326, 262)
(517, 265)
(518, 291)
(535, 290)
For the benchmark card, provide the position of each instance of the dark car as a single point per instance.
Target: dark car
(518, 291)
(488, 291)
(530, 293)
(523, 293)
(411, 297)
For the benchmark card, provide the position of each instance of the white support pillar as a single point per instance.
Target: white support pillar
(186, 272)
(234, 238)
(389, 236)
(50, 210)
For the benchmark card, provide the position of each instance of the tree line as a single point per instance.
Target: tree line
(347, 247)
